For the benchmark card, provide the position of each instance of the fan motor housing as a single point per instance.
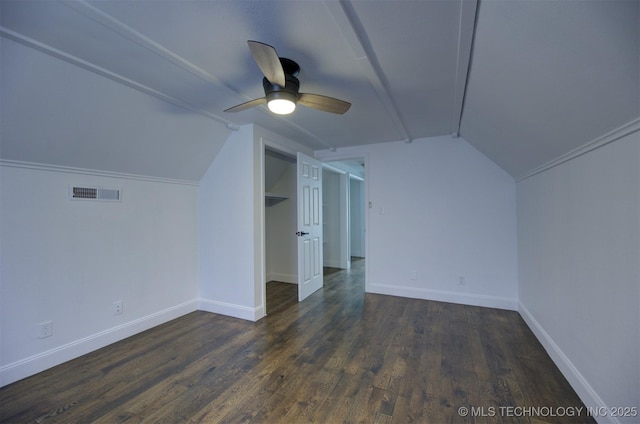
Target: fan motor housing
(289, 91)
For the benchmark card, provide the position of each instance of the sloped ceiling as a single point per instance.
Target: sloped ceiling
(523, 81)
(55, 113)
(550, 76)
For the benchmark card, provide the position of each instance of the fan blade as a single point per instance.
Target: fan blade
(246, 105)
(268, 61)
(324, 103)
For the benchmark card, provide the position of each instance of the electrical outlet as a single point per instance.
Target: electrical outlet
(46, 329)
(413, 275)
(117, 308)
(461, 281)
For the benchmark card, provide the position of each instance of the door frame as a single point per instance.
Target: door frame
(291, 149)
(329, 156)
(350, 214)
(286, 148)
(344, 205)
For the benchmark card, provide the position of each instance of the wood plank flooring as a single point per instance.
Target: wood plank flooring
(340, 356)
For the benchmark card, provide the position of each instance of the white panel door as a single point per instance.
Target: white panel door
(309, 225)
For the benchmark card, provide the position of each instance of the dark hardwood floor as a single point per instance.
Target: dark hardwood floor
(340, 356)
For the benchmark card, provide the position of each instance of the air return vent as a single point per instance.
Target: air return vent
(94, 193)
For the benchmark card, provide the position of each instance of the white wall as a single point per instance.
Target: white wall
(231, 245)
(356, 217)
(68, 261)
(331, 216)
(227, 204)
(443, 210)
(579, 250)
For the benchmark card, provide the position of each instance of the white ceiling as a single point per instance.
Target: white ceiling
(545, 77)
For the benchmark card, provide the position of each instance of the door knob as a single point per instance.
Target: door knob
(301, 233)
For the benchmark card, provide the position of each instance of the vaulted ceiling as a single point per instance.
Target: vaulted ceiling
(522, 81)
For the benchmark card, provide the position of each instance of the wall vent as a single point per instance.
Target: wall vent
(94, 193)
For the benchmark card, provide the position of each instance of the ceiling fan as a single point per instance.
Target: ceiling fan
(281, 85)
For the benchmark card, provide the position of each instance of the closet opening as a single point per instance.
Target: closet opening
(280, 215)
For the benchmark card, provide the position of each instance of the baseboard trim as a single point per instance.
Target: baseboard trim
(232, 310)
(445, 296)
(582, 387)
(37, 363)
(332, 263)
(282, 278)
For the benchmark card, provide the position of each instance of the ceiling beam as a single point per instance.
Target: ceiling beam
(108, 21)
(466, 34)
(357, 39)
(91, 12)
(44, 48)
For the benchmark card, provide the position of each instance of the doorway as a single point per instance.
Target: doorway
(292, 222)
(280, 242)
(345, 212)
(280, 214)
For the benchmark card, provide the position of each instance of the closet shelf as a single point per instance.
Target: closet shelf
(271, 199)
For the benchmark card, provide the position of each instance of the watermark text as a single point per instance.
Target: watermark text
(547, 411)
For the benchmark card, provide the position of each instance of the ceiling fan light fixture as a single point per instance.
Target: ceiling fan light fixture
(281, 106)
(281, 102)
